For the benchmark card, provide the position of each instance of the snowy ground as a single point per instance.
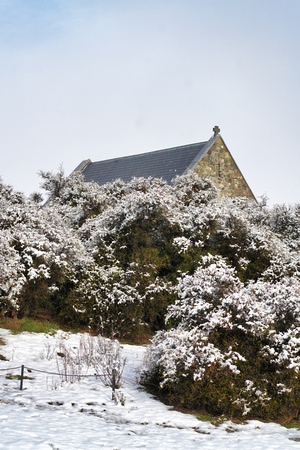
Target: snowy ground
(49, 415)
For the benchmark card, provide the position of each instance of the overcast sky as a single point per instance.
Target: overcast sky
(100, 79)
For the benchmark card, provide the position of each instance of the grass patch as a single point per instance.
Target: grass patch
(291, 425)
(214, 420)
(36, 326)
(10, 376)
(31, 325)
(205, 418)
(219, 420)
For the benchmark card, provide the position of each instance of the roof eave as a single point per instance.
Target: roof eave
(83, 165)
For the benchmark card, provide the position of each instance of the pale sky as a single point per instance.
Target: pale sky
(100, 79)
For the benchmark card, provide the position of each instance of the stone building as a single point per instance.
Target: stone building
(210, 159)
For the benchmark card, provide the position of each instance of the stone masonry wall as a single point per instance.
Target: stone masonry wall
(219, 166)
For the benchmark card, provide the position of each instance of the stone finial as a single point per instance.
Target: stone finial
(216, 130)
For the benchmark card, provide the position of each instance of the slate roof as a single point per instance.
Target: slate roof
(164, 164)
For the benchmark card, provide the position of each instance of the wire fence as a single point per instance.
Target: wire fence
(30, 369)
(101, 356)
(65, 375)
(10, 368)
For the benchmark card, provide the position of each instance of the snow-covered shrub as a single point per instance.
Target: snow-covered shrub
(40, 253)
(285, 221)
(110, 256)
(72, 197)
(194, 190)
(106, 297)
(249, 247)
(132, 245)
(12, 279)
(234, 349)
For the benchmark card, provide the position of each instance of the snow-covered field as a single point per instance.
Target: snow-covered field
(47, 414)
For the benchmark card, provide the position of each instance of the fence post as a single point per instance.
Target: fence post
(113, 384)
(22, 376)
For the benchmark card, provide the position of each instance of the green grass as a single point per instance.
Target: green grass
(205, 418)
(291, 425)
(30, 325)
(33, 325)
(214, 420)
(36, 326)
(219, 420)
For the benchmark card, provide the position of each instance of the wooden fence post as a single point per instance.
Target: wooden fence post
(113, 384)
(22, 376)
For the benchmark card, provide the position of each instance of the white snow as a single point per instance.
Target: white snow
(47, 414)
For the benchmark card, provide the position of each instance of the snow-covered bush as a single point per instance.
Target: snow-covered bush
(132, 245)
(234, 349)
(11, 275)
(116, 256)
(40, 253)
(107, 298)
(193, 190)
(285, 221)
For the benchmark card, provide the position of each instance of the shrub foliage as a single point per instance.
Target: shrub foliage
(215, 279)
(233, 348)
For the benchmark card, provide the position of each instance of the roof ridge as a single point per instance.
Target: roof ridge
(153, 151)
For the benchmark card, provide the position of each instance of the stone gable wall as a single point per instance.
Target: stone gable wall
(219, 166)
